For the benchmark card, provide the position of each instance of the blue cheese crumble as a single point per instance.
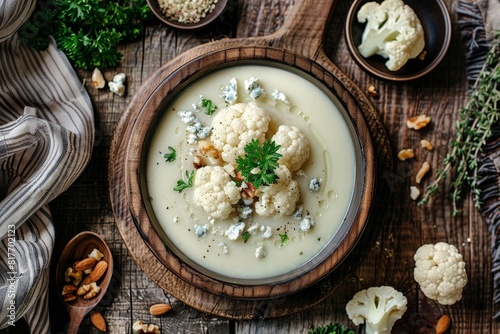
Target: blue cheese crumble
(235, 230)
(279, 96)
(245, 211)
(297, 215)
(201, 231)
(230, 92)
(254, 89)
(196, 131)
(267, 231)
(307, 223)
(315, 184)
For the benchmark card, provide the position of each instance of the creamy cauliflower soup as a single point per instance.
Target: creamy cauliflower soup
(248, 245)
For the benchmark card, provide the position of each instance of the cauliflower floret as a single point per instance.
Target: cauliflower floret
(294, 147)
(235, 126)
(278, 198)
(215, 191)
(440, 272)
(393, 31)
(380, 307)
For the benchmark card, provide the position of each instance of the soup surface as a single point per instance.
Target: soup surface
(272, 245)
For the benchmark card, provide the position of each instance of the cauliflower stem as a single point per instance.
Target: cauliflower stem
(378, 307)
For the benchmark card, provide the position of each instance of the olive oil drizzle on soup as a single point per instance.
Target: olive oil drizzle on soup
(332, 159)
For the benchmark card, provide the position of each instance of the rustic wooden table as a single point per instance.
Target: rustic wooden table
(389, 259)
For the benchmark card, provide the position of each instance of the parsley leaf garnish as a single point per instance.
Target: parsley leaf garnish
(209, 106)
(284, 239)
(259, 163)
(181, 184)
(246, 236)
(169, 157)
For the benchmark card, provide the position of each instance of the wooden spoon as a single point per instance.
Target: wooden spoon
(78, 249)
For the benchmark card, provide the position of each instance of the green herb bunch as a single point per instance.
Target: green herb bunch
(474, 127)
(332, 329)
(259, 163)
(87, 31)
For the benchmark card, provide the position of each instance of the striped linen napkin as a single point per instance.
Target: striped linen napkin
(46, 139)
(478, 21)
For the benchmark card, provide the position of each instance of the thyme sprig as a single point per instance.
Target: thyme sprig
(474, 127)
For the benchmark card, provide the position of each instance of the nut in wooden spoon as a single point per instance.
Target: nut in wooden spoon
(83, 274)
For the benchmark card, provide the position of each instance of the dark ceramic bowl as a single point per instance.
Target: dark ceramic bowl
(436, 23)
(218, 10)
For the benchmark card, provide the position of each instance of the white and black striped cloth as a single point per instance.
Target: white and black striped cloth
(46, 139)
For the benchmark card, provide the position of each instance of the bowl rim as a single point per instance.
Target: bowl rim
(220, 7)
(362, 62)
(134, 185)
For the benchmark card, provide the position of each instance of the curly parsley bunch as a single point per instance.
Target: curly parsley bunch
(87, 31)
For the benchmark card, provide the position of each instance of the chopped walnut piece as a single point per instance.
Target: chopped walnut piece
(69, 292)
(93, 291)
(405, 154)
(426, 144)
(140, 327)
(209, 153)
(248, 190)
(418, 122)
(423, 170)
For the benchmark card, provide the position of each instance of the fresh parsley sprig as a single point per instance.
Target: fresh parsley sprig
(87, 31)
(474, 127)
(183, 184)
(209, 106)
(259, 164)
(171, 156)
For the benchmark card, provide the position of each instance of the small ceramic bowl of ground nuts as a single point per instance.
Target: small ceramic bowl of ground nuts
(187, 14)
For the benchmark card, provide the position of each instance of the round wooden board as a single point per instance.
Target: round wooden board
(281, 46)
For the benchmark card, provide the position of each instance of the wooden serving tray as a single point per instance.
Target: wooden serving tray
(297, 44)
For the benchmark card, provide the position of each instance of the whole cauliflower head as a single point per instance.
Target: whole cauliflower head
(280, 197)
(440, 272)
(235, 126)
(380, 307)
(215, 192)
(393, 31)
(294, 147)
